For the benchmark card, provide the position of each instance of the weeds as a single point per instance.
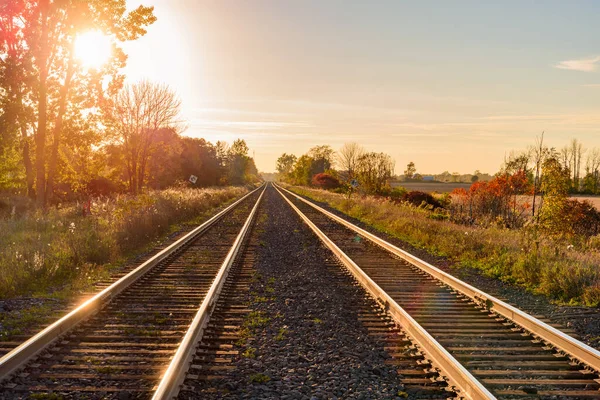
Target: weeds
(62, 249)
(558, 269)
(259, 378)
(281, 334)
(250, 352)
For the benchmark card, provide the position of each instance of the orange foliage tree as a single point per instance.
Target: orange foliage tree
(497, 200)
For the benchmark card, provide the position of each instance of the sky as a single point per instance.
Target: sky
(450, 85)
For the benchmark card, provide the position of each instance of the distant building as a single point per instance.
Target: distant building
(428, 178)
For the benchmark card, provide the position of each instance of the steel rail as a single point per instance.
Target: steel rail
(20, 355)
(569, 345)
(173, 377)
(457, 375)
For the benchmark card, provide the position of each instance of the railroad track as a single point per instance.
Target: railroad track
(215, 366)
(484, 347)
(135, 338)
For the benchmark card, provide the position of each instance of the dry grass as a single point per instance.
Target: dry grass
(63, 249)
(563, 272)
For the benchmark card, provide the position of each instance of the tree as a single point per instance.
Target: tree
(374, 170)
(539, 154)
(49, 87)
(237, 162)
(410, 171)
(285, 165)
(348, 157)
(323, 157)
(139, 112)
(555, 186)
(302, 172)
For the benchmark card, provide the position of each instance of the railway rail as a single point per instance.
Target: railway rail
(134, 339)
(169, 327)
(216, 359)
(484, 347)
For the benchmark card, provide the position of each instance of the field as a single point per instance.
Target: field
(441, 187)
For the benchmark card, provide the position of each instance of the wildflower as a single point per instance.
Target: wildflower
(72, 227)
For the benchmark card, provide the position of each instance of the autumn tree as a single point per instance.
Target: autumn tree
(51, 91)
(138, 113)
(555, 187)
(374, 170)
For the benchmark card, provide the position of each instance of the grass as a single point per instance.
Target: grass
(555, 268)
(250, 352)
(13, 324)
(259, 378)
(63, 250)
(281, 334)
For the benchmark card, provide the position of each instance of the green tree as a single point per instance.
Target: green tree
(285, 165)
(302, 172)
(237, 162)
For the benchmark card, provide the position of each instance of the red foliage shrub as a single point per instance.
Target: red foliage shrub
(417, 198)
(582, 217)
(325, 181)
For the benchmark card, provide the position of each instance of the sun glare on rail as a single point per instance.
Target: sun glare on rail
(93, 49)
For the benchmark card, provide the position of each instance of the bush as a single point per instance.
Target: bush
(325, 181)
(419, 199)
(398, 193)
(582, 217)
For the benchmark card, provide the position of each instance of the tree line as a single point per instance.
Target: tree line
(371, 171)
(69, 131)
(534, 186)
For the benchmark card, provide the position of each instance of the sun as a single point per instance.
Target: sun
(93, 49)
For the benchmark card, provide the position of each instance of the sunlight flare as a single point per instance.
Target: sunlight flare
(93, 49)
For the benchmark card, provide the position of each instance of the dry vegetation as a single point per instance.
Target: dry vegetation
(559, 270)
(64, 250)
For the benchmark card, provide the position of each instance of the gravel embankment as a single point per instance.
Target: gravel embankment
(584, 320)
(313, 346)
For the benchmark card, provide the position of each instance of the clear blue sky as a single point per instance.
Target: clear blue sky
(450, 85)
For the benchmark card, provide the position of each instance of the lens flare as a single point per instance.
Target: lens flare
(93, 49)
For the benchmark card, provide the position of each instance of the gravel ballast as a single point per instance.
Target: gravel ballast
(313, 345)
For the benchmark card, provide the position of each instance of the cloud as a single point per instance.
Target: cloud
(584, 64)
(247, 125)
(592, 85)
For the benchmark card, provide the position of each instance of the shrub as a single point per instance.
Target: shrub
(583, 218)
(325, 181)
(419, 199)
(398, 193)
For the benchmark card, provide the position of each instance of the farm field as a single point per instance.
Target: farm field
(441, 187)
